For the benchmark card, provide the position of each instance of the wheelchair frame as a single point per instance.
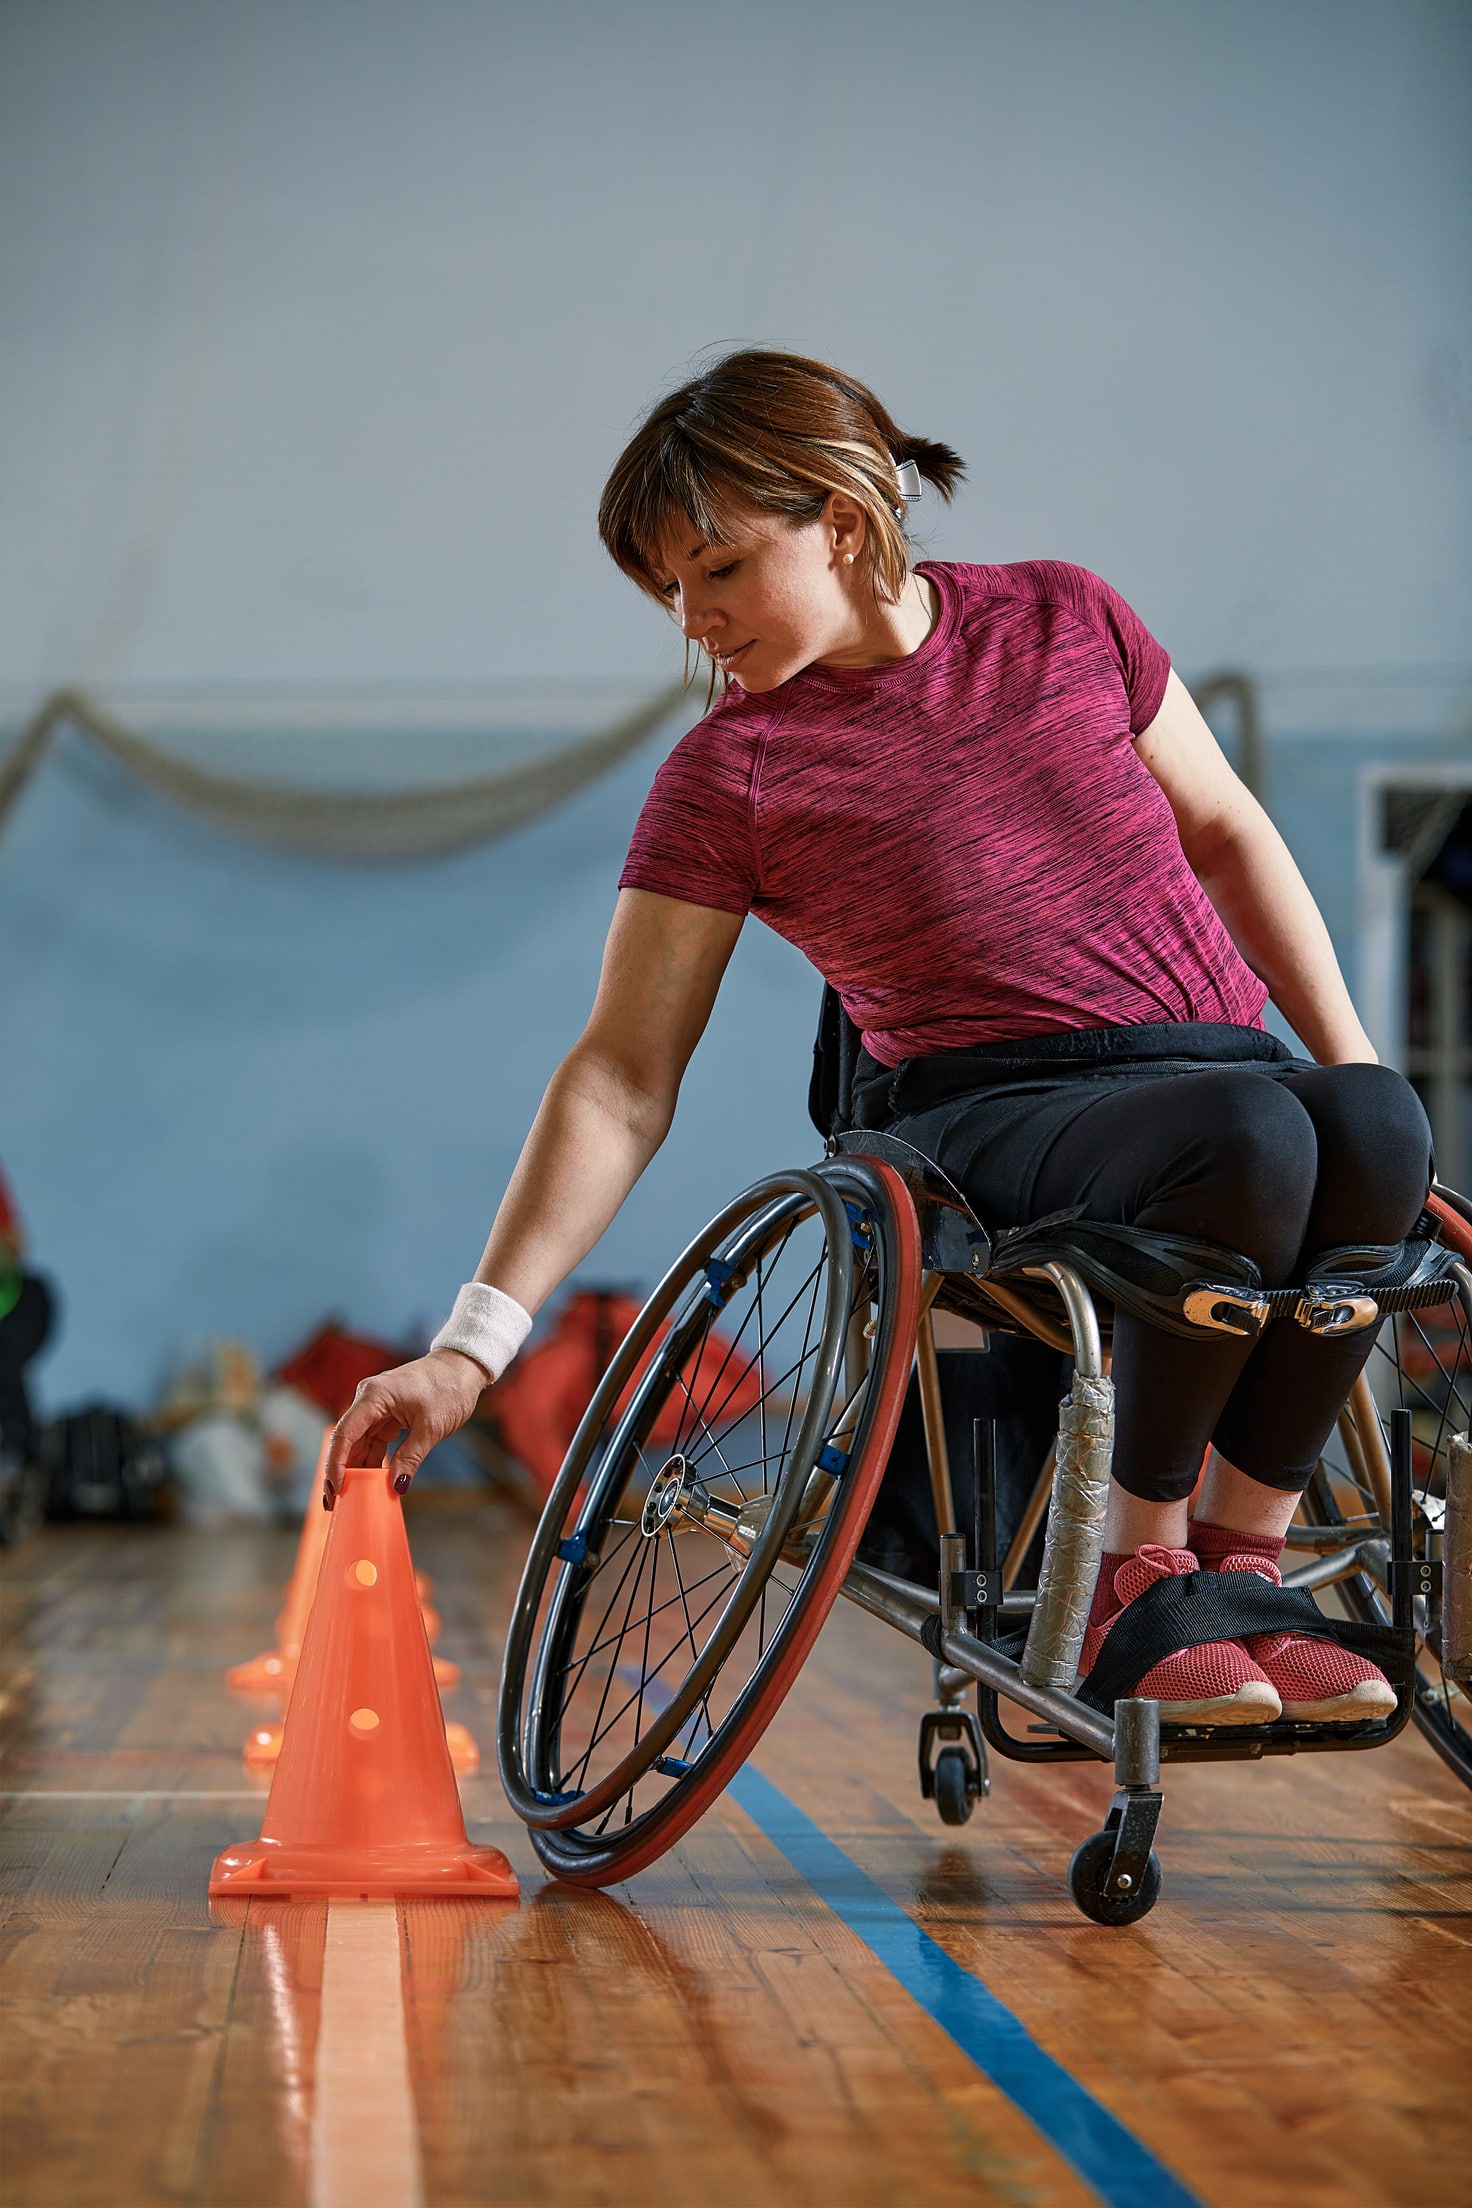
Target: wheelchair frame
(1114, 1876)
(957, 1622)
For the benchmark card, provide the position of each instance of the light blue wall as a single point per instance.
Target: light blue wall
(239, 1092)
(322, 319)
(320, 322)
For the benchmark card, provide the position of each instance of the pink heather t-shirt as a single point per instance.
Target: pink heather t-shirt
(963, 842)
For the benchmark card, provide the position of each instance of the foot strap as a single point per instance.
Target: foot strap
(1195, 1607)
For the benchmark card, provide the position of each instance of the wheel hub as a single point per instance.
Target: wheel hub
(669, 1490)
(677, 1498)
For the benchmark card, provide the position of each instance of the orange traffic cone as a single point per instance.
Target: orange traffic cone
(270, 1672)
(263, 1744)
(363, 1801)
(274, 1672)
(263, 1741)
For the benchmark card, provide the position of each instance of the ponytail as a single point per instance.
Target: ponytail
(940, 466)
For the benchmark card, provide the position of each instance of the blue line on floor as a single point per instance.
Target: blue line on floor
(1107, 2156)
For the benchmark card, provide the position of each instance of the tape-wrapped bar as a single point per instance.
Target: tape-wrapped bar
(1075, 1538)
(1456, 1597)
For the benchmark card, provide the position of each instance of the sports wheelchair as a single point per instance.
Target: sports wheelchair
(712, 1503)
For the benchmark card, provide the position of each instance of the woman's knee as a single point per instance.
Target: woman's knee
(1374, 1150)
(1246, 1176)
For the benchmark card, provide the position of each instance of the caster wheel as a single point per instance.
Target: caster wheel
(955, 1787)
(1086, 1874)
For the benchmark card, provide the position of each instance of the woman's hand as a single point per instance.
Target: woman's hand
(424, 1401)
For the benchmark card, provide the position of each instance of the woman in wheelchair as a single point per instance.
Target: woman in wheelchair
(981, 802)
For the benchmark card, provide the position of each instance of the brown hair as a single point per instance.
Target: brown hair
(775, 432)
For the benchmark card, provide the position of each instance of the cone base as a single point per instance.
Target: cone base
(269, 1673)
(271, 1868)
(263, 1747)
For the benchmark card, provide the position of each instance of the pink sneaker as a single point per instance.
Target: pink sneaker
(1216, 1684)
(1315, 1679)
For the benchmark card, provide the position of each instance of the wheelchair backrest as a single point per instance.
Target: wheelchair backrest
(835, 1057)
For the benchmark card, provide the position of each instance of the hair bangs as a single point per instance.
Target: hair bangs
(677, 490)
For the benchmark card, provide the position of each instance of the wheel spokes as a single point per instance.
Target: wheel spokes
(671, 1570)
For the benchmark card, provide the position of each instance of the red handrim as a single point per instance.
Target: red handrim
(1455, 1231)
(821, 1594)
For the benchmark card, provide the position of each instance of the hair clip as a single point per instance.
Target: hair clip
(909, 479)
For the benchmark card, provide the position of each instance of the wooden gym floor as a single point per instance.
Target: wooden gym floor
(1292, 2024)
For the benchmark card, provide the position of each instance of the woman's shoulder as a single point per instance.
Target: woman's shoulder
(720, 749)
(1036, 582)
(693, 837)
(1100, 630)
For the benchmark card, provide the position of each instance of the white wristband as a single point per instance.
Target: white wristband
(485, 1325)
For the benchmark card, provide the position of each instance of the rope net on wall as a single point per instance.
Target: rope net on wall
(418, 822)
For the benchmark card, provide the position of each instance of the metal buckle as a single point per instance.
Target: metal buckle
(1226, 1310)
(1334, 1309)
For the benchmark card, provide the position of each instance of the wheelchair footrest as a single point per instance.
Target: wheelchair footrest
(1195, 1607)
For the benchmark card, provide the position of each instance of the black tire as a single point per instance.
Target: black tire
(955, 1786)
(626, 1707)
(1086, 1875)
(1420, 1362)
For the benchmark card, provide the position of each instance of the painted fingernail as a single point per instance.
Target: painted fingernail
(328, 1496)
(401, 1482)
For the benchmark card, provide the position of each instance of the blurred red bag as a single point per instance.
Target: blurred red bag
(327, 1369)
(537, 1406)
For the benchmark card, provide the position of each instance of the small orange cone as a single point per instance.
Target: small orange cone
(263, 1746)
(270, 1672)
(464, 1753)
(364, 1801)
(446, 1674)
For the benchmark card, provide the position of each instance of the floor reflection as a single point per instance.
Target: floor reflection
(291, 1943)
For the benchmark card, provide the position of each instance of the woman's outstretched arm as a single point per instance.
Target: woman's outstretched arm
(607, 1109)
(1249, 874)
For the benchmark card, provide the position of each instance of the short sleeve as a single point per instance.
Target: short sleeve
(1144, 664)
(693, 838)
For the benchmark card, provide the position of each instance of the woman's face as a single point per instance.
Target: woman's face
(774, 596)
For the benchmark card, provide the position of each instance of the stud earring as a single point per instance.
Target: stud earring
(848, 559)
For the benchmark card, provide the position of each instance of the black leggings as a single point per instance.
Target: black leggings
(1278, 1166)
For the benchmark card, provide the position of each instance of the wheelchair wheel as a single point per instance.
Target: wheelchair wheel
(706, 1514)
(1421, 1363)
(956, 1791)
(1087, 1873)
